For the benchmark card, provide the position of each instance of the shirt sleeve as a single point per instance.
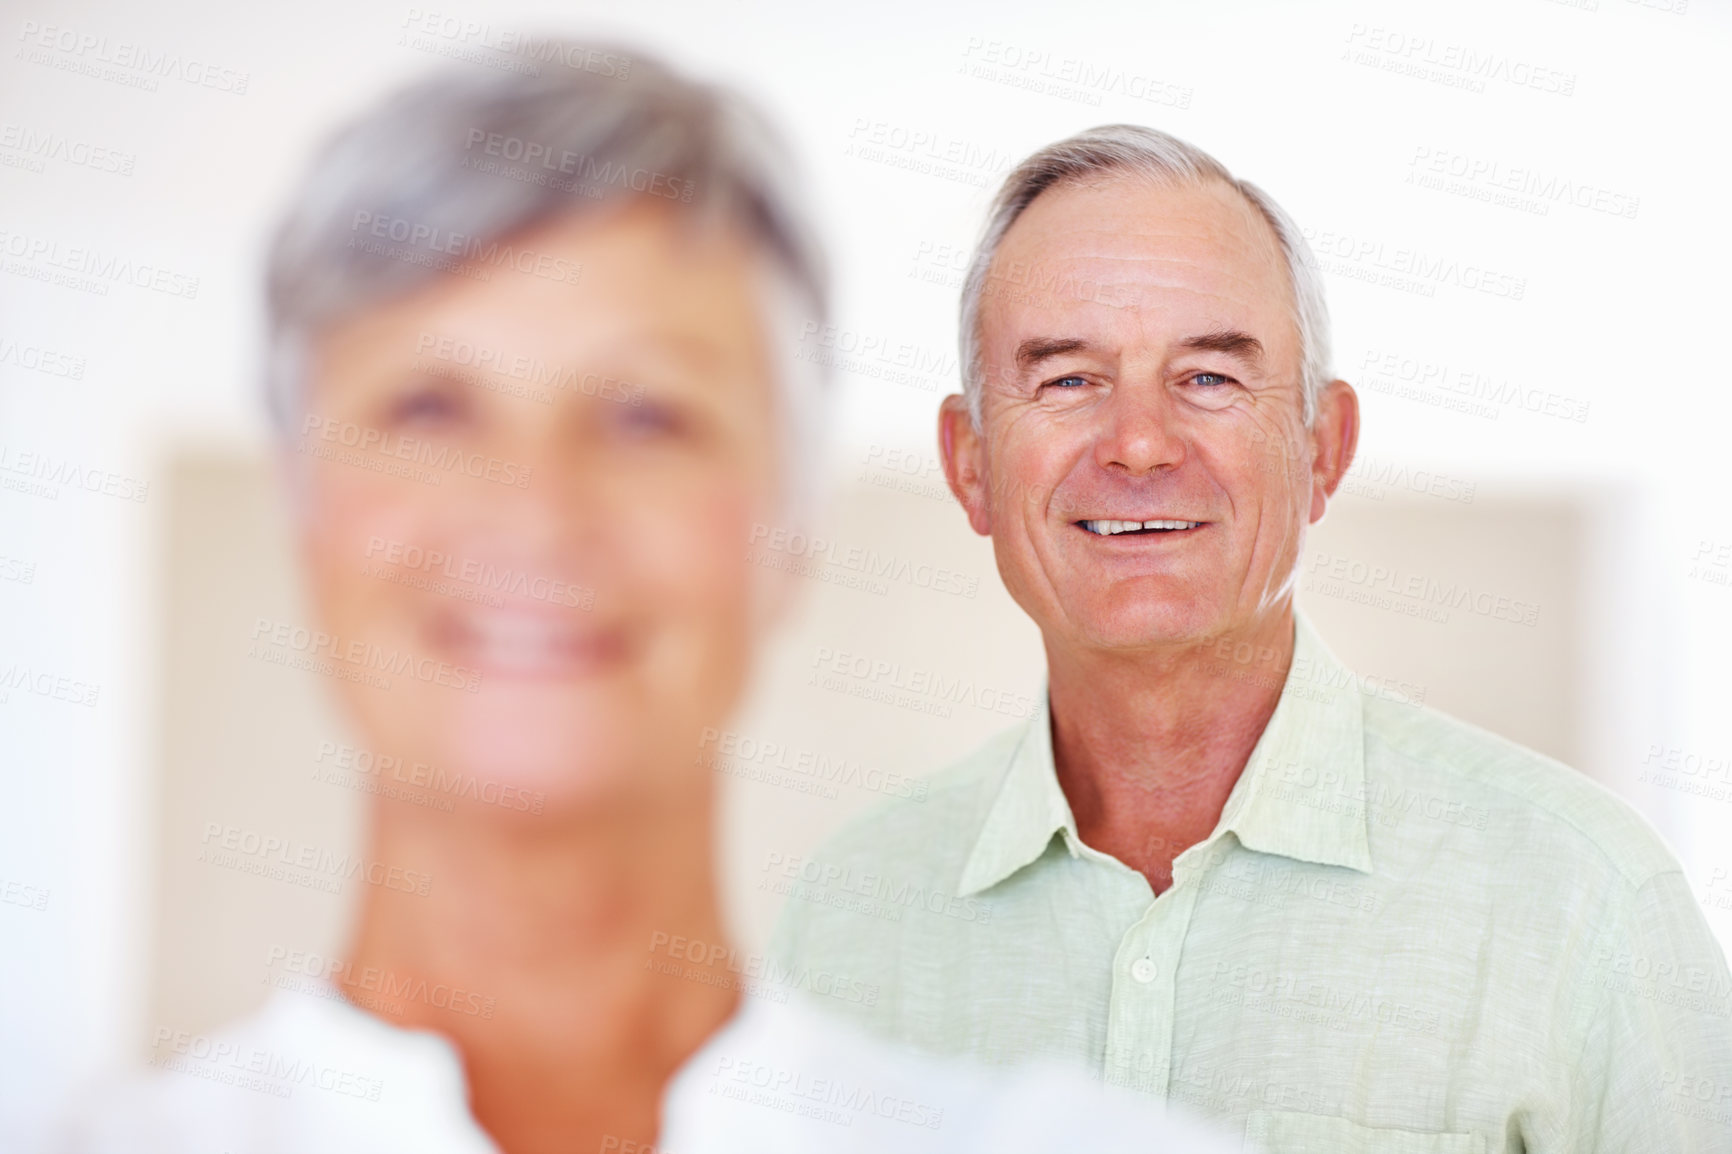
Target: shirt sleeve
(1655, 1071)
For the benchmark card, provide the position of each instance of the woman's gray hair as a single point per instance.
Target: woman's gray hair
(449, 170)
(1132, 148)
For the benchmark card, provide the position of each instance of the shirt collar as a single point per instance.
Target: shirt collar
(1029, 809)
(1301, 795)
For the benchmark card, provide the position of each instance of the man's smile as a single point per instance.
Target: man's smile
(1159, 525)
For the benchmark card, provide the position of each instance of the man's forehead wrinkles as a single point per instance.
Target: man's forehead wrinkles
(1196, 232)
(1129, 283)
(1122, 248)
(1161, 313)
(1073, 285)
(1059, 276)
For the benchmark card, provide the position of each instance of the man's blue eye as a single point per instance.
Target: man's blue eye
(1210, 379)
(1069, 382)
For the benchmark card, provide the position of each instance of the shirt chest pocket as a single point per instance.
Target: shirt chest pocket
(1290, 1132)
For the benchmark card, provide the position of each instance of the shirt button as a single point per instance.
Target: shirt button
(1143, 970)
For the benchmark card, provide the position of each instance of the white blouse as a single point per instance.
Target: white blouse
(312, 1073)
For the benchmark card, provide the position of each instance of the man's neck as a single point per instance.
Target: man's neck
(568, 1029)
(1148, 747)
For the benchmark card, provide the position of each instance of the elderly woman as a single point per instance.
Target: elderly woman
(536, 335)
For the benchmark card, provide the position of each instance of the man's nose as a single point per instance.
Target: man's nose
(1141, 432)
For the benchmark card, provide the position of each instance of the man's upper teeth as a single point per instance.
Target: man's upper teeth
(1132, 526)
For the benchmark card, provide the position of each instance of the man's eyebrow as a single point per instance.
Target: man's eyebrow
(1037, 349)
(1231, 341)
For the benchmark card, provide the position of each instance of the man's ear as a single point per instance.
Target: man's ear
(1334, 439)
(963, 452)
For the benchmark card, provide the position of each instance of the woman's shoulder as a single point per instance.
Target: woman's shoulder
(307, 1071)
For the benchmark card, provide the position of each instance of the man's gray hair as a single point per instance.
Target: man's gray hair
(451, 169)
(1134, 149)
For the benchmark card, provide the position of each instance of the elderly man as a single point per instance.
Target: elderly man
(1210, 867)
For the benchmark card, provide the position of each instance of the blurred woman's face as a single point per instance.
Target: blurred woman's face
(531, 488)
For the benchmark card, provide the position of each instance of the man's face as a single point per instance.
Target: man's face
(548, 486)
(1142, 364)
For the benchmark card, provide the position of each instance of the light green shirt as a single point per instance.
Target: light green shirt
(1404, 936)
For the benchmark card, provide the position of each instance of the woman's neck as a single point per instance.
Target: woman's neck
(536, 932)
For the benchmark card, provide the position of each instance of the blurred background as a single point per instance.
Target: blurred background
(1519, 205)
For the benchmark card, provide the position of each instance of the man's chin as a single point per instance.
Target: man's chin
(1147, 625)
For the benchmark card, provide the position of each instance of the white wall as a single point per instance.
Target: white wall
(1327, 105)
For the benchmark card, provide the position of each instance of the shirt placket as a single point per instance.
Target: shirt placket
(1139, 1052)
